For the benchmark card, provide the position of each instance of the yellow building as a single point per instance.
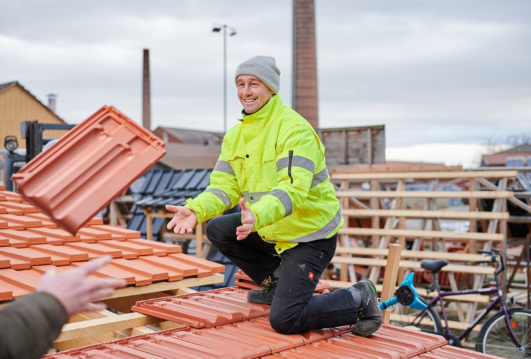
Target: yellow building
(17, 105)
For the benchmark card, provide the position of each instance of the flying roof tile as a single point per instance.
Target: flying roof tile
(106, 153)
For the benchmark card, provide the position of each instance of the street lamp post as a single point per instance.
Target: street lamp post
(217, 28)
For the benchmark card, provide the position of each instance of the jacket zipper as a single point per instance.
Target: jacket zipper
(289, 165)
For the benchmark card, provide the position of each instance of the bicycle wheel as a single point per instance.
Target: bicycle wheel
(405, 316)
(495, 339)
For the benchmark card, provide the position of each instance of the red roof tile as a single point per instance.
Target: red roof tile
(56, 233)
(30, 255)
(449, 352)
(28, 222)
(26, 236)
(126, 233)
(87, 168)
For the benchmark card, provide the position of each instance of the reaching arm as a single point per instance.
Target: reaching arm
(31, 324)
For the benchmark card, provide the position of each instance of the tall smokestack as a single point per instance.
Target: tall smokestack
(52, 102)
(146, 93)
(305, 61)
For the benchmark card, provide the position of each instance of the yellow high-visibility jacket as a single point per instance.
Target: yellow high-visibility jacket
(276, 162)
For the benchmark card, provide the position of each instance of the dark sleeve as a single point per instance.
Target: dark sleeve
(30, 325)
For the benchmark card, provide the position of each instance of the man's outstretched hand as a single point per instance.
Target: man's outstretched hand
(248, 221)
(75, 290)
(183, 221)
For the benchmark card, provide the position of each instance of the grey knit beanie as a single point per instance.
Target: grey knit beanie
(263, 67)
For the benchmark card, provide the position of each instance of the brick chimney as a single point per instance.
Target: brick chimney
(305, 61)
(146, 93)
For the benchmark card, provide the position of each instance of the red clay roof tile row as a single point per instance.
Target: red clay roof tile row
(204, 309)
(449, 352)
(142, 271)
(37, 245)
(55, 252)
(244, 281)
(256, 339)
(86, 169)
(230, 305)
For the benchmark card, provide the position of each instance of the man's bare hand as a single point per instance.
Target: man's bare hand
(183, 221)
(75, 291)
(248, 221)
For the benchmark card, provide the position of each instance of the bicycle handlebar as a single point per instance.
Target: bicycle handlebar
(495, 256)
(492, 252)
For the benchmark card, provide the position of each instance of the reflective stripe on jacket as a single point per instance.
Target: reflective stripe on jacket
(276, 162)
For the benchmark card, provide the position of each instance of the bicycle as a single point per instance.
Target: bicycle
(507, 333)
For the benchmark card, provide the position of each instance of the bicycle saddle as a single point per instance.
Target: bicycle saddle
(433, 266)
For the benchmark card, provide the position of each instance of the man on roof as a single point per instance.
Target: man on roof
(273, 164)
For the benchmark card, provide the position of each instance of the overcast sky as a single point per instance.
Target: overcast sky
(443, 76)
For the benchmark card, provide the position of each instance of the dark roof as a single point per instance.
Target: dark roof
(198, 137)
(157, 188)
(185, 155)
(518, 149)
(8, 85)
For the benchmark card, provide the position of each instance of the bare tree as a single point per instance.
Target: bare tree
(495, 144)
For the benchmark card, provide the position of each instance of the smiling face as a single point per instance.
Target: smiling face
(252, 92)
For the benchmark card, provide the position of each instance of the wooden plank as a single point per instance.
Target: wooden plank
(391, 273)
(424, 175)
(412, 265)
(424, 214)
(199, 240)
(473, 298)
(425, 194)
(456, 257)
(167, 286)
(183, 236)
(83, 342)
(515, 201)
(104, 325)
(95, 339)
(422, 234)
(451, 323)
(159, 215)
(425, 168)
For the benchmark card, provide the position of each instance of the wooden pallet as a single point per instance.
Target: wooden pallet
(98, 327)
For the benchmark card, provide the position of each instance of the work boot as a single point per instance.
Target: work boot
(264, 295)
(369, 315)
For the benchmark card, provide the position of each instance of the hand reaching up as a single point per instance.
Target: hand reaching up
(248, 221)
(183, 221)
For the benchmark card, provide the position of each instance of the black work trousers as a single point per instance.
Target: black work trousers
(294, 309)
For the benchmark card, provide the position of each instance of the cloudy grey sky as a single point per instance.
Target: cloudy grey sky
(443, 76)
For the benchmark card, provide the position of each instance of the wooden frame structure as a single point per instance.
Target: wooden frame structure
(354, 204)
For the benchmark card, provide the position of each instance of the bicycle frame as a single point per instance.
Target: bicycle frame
(441, 295)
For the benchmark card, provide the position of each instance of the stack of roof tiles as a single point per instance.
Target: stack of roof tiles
(30, 244)
(222, 324)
